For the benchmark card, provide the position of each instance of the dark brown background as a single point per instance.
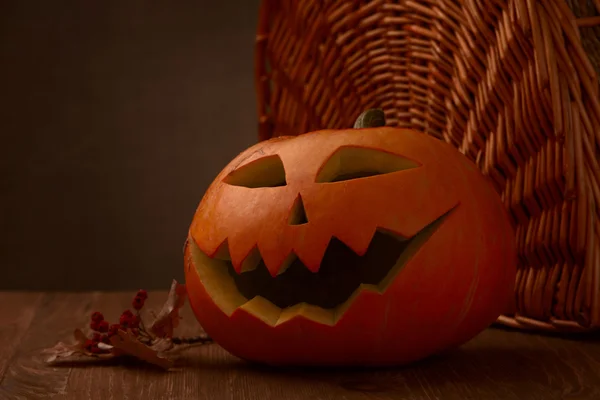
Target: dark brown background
(114, 118)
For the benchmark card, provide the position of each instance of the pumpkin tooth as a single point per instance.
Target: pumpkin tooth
(222, 252)
(215, 278)
(262, 309)
(251, 261)
(359, 245)
(307, 311)
(289, 260)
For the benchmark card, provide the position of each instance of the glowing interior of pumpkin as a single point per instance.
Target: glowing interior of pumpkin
(325, 295)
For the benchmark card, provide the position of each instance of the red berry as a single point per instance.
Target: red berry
(97, 317)
(88, 345)
(103, 326)
(138, 302)
(142, 293)
(124, 320)
(134, 322)
(105, 339)
(94, 326)
(112, 330)
(96, 350)
(96, 337)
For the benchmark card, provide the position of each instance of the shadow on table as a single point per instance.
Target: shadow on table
(496, 364)
(476, 369)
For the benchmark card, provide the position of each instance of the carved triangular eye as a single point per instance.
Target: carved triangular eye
(349, 162)
(264, 172)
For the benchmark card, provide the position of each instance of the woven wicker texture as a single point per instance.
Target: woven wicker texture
(512, 84)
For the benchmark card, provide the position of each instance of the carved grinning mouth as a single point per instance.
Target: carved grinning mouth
(341, 272)
(322, 296)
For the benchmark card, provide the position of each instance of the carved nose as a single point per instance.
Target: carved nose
(298, 213)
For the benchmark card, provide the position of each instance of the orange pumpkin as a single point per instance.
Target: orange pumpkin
(374, 246)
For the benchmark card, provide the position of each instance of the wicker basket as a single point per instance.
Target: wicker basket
(513, 84)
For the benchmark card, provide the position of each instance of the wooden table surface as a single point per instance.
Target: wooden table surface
(498, 364)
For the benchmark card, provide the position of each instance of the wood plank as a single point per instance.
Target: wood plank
(16, 313)
(498, 364)
(27, 376)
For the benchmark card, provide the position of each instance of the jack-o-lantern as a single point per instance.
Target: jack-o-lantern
(372, 246)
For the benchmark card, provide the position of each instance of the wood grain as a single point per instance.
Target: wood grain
(14, 321)
(57, 315)
(498, 364)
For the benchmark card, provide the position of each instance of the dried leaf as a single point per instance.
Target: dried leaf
(161, 345)
(127, 343)
(168, 317)
(80, 337)
(63, 352)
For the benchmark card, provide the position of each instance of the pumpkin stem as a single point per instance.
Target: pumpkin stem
(370, 119)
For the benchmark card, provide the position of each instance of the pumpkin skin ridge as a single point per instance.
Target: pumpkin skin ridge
(377, 331)
(509, 242)
(467, 303)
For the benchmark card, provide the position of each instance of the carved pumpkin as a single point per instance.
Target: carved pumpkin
(373, 246)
